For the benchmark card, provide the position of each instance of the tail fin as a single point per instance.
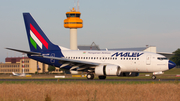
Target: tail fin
(38, 41)
(13, 73)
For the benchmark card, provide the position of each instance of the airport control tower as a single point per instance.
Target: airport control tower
(73, 22)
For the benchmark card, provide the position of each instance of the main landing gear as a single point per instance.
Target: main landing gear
(153, 77)
(90, 76)
(102, 77)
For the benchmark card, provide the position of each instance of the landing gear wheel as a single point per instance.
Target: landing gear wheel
(153, 77)
(90, 76)
(102, 77)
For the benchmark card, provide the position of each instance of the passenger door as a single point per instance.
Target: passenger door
(148, 60)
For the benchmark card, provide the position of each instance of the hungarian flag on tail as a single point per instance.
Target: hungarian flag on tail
(36, 38)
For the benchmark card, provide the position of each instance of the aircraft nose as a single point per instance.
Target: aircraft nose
(171, 64)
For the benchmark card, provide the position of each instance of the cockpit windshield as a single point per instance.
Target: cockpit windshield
(162, 58)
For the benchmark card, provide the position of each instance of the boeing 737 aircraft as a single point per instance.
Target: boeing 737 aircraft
(100, 63)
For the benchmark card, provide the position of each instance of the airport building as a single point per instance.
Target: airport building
(93, 46)
(147, 48)
(15, 64)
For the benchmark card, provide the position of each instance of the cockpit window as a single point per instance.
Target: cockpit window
(67, 15)
(77, 15)
(72, 15)
(162, 58)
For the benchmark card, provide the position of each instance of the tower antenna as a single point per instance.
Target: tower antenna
(78, 5)
(75, 4)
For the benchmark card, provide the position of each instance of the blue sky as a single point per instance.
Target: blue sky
(108, 23)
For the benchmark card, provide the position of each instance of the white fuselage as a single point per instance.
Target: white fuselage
(129, 61)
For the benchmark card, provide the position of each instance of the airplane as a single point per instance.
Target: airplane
(18, 74)
(100, 63)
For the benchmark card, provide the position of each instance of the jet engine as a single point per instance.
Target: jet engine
(109, 69)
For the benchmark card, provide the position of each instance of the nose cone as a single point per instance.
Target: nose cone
(171, 64)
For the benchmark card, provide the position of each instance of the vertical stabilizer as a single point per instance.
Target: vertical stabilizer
(38, 41)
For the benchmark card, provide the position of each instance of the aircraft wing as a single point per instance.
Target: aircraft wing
(22, 51)
(75, 64)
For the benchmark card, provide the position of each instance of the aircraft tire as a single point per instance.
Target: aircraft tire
(102, 77)
(90, 76)
(153, 77)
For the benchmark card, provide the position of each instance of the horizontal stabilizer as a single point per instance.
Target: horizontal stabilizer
(27, 52)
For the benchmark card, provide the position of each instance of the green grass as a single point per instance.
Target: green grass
(173, 71)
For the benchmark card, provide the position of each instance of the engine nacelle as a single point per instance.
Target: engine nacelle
(108, 70)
